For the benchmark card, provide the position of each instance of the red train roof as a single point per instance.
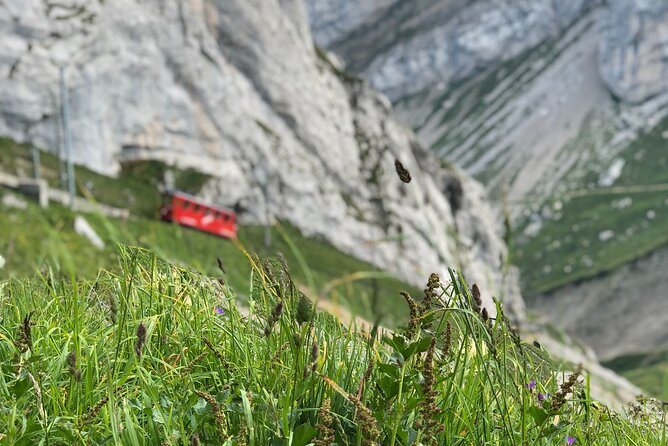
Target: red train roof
(196, 200)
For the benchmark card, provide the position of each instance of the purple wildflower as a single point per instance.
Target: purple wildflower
(543, 396)
(570, 440)
(219, 310)
(531, 385)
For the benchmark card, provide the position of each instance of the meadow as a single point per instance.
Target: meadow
(155, 354)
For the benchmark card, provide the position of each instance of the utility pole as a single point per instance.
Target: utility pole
(262, 178)
(64, 100)
(35, 163)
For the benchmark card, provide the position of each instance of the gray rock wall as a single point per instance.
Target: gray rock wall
(226, 87)
(416, 44)
(634, 49)
(633, 296)
(405, 47)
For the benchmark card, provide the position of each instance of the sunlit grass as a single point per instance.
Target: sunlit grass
(153, 354)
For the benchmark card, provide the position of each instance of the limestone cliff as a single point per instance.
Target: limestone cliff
(234, 88)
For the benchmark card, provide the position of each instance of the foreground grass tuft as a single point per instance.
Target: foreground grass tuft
(158, 355)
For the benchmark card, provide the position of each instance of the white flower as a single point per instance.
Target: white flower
(2, 262)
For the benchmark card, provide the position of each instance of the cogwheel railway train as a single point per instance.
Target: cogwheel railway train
(190, 211)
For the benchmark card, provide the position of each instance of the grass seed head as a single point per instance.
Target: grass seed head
(113, 308)
(72, 366)
(447, 339)
(273, 318)
(367, 422)
(215, 351)
(566, 388)
(194, 440)
(430, 295)
(304, 309)
(429, 411)
(215, 408)
(414, 314)
(324, 425)
(141, 339)
(477, 300)
(279, 352)
(24, 339)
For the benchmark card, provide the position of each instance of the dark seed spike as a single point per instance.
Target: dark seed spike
(141, 339)
(404, 174)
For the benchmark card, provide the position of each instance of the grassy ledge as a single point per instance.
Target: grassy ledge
(154, 354)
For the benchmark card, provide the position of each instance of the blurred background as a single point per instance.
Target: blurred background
(535, 133)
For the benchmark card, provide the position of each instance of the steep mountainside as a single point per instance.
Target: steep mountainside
(560, 109)
(226, 87)
(633, 297)
(237, 90)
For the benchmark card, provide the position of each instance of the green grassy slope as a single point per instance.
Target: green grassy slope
(37, 237)
(143, 357)
(135, 189)
(592, 229)
(648, 371)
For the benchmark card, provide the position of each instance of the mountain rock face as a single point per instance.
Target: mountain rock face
(404, 47)
(560, 108)
(634, 49)
(633, 296)
(502, 87)
(237, 90)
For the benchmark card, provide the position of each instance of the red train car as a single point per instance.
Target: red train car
(189, 211)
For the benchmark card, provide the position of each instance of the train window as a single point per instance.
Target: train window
(226, 217)
(184, 204)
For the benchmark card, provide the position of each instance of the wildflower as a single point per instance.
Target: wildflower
(570, 440)
(219, 310)
(543, 396)
(404, 174)
(531, 384)
(2, 262)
